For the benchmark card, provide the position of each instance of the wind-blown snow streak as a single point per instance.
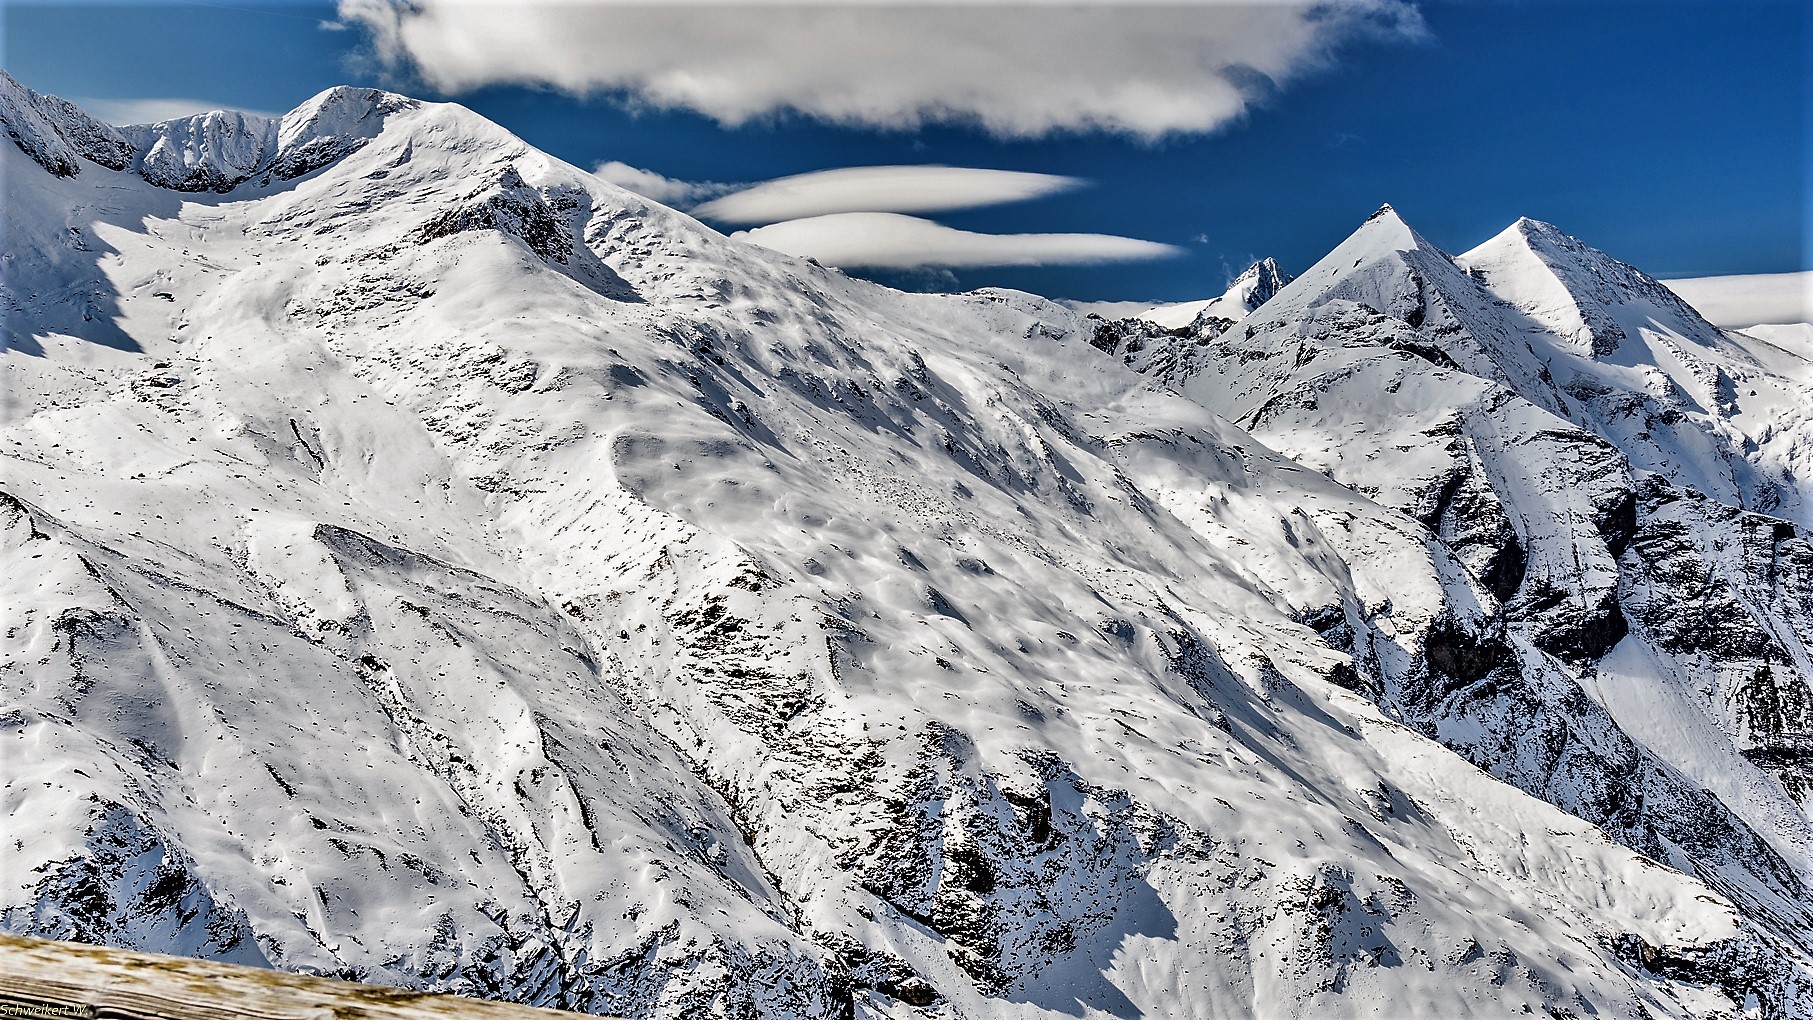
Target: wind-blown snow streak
(428, 563)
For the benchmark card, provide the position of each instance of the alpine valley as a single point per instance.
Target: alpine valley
(425, 563)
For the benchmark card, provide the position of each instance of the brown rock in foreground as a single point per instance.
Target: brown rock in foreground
(46, 978)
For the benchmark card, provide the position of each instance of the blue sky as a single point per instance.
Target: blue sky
(1673, 135)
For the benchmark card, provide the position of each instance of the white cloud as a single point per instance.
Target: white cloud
(1735, 302)
(150, 111)
(666, 190)
(881, 240)
(1019, 68)
(903, 189)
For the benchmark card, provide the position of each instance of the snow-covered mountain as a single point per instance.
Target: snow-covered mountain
(1249, 290)
(428, 563)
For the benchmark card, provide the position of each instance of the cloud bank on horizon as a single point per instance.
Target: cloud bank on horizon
(1017, 69)
(120, 112)
(1738, 302)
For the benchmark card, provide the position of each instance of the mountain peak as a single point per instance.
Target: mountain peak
(1385, 227)
(1257, 284)
(1253, 287)
(1386, 217)
(1265, 268)
(331, 125)
(1542, 236)
(1572, 288)
(1382, 236)
(343, 107)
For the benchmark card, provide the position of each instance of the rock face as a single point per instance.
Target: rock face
(208, 152)
(507, 204)
(426, 563)
(57, 134)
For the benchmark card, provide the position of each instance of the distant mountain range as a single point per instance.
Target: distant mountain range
(429, 564)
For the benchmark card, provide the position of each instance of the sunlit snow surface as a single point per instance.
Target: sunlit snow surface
(427, 563)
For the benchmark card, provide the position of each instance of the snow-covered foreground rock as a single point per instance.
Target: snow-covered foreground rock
(427, 563)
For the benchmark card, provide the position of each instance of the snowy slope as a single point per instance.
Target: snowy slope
(429, 563)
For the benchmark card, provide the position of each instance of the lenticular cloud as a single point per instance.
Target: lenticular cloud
(901, 189)
(880, 240)
(1019, 69)
(666, 190)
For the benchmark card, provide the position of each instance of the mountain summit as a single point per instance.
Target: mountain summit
(1561, 282)
(1252, 288)
(428, 563)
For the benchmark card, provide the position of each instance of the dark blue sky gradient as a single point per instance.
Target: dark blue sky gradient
(1673, 135)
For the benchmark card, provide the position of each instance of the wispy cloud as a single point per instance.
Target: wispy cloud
(902, 189)
(666, 190)
(1018, 68)
(883, 240)
(1735, 302)
(150, 111)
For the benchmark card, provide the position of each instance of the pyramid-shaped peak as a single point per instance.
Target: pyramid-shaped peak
(1384, 231)
(1520, 239)
(1577, 291)
(1264, 269)
(1560, 251)
(1258, 283)
(1545, 241)
(1387, 218)
(1545, 235)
